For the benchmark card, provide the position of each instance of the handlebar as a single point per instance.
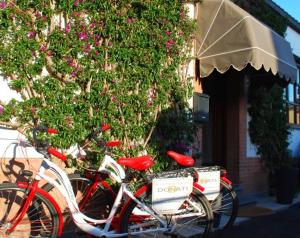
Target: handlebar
(57, 154)
(101, 143)
(43, 145)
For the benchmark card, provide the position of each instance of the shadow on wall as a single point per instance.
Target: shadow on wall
(15, 158)
(174, 131)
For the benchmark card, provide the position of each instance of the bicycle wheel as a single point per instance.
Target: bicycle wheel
(225, 207)
(40, 220)
(136, 219)
(97, 206)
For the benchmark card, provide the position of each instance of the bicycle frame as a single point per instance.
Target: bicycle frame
(60, 180)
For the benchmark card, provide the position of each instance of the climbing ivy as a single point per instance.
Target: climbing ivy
(268, 127)
(78, 64)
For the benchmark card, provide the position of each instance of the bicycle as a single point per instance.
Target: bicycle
(29, 211)
(90, 188)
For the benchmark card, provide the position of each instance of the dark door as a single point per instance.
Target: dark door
(214, 132)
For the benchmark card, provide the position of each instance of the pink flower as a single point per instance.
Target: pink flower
(97, 40)
(73, 73)
(97, 43)
(83, 36)
(180, 33)
(50, 53)
(130, 20)
(98, 37)
(87, 48)
(33, 110)
(76, 14)
(93, 25)
(1, 109)
(71, 62)
(82, 24)
(2, 5)
(168, 33)
(38, 14)
(31, 34)
(76, 3)
(113, 98)
(182, 13)
(169, 44)
(43, 48)
(33, 54)
(68, 28)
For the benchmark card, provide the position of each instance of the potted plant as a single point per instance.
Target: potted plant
(269, 131)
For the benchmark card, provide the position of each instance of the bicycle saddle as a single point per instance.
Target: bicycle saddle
(137, 163)
(183, 160)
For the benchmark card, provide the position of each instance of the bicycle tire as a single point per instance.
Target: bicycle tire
(40, 220)
(196, 196)
(225, 207)
(93, 208)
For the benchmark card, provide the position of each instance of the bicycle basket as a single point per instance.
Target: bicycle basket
(171, 174)
(207, 169)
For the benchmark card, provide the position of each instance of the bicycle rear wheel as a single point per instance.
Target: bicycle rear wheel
(225, 207)
(40, 220)
(195, 218)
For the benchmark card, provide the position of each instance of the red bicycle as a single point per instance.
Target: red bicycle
(26, 210)
(90, 187)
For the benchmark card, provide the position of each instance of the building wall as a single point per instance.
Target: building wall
(252, 174)
(11, 141)
(293, 37)
(294, 140)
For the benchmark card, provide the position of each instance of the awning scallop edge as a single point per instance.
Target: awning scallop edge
(228, 36)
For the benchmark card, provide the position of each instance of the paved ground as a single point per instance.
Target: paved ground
(283, 224)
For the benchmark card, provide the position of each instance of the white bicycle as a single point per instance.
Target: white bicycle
(163, 207)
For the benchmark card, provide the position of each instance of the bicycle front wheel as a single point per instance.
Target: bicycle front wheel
(98, 202)
(194, 218)
(40, 220)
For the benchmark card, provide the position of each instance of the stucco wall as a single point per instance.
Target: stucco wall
(12, 143)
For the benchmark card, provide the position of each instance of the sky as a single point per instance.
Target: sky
(290, 6)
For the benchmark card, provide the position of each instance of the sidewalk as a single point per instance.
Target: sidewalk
(279, 221)
(267, 202)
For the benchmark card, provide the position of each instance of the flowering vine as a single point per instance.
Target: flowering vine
(80, 63)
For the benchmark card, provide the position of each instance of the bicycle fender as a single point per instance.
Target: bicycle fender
(198, 186)
(142, 190)
(138, 193)
(226, 180)
(51, 199)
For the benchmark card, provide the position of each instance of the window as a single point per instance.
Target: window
(292, 95)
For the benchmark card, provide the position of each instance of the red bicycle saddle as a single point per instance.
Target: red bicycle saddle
(137, 163)
(181, 159)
